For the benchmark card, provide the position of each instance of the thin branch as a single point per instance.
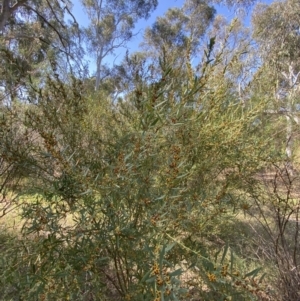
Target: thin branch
(61, 38)
(53, 12)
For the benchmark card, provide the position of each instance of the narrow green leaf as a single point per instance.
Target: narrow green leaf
(170, 246)
(262, 278)
(128, 156)
(168, 71)
(217, 254)
(231, 261)
(150, 280)
(253, 273)
(182, 176)
(176, 273)
(161, 103)
(161, 257)
(225, 252)
(154, 121)
(146, 276)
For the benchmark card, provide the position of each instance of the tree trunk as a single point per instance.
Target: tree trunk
(289, 139)
(98, 70)
(6, 11)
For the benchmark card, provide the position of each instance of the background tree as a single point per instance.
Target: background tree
(178, 32)
(33, 39)
(112, 24)
(276, 29)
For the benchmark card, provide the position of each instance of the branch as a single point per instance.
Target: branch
(61, 38)
(55, 16)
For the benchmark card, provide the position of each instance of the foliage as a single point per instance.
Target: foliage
(134, 198)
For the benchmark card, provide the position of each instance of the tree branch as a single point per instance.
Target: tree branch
(63, 40)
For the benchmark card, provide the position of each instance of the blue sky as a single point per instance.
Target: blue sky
(133, 45)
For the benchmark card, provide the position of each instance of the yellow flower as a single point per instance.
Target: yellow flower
(211, 277)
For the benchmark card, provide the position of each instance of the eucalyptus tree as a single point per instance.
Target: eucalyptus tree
(178, 40)
(276, 30)
(236, 3)
(111, 26)
(36, 38)
(178, 33)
